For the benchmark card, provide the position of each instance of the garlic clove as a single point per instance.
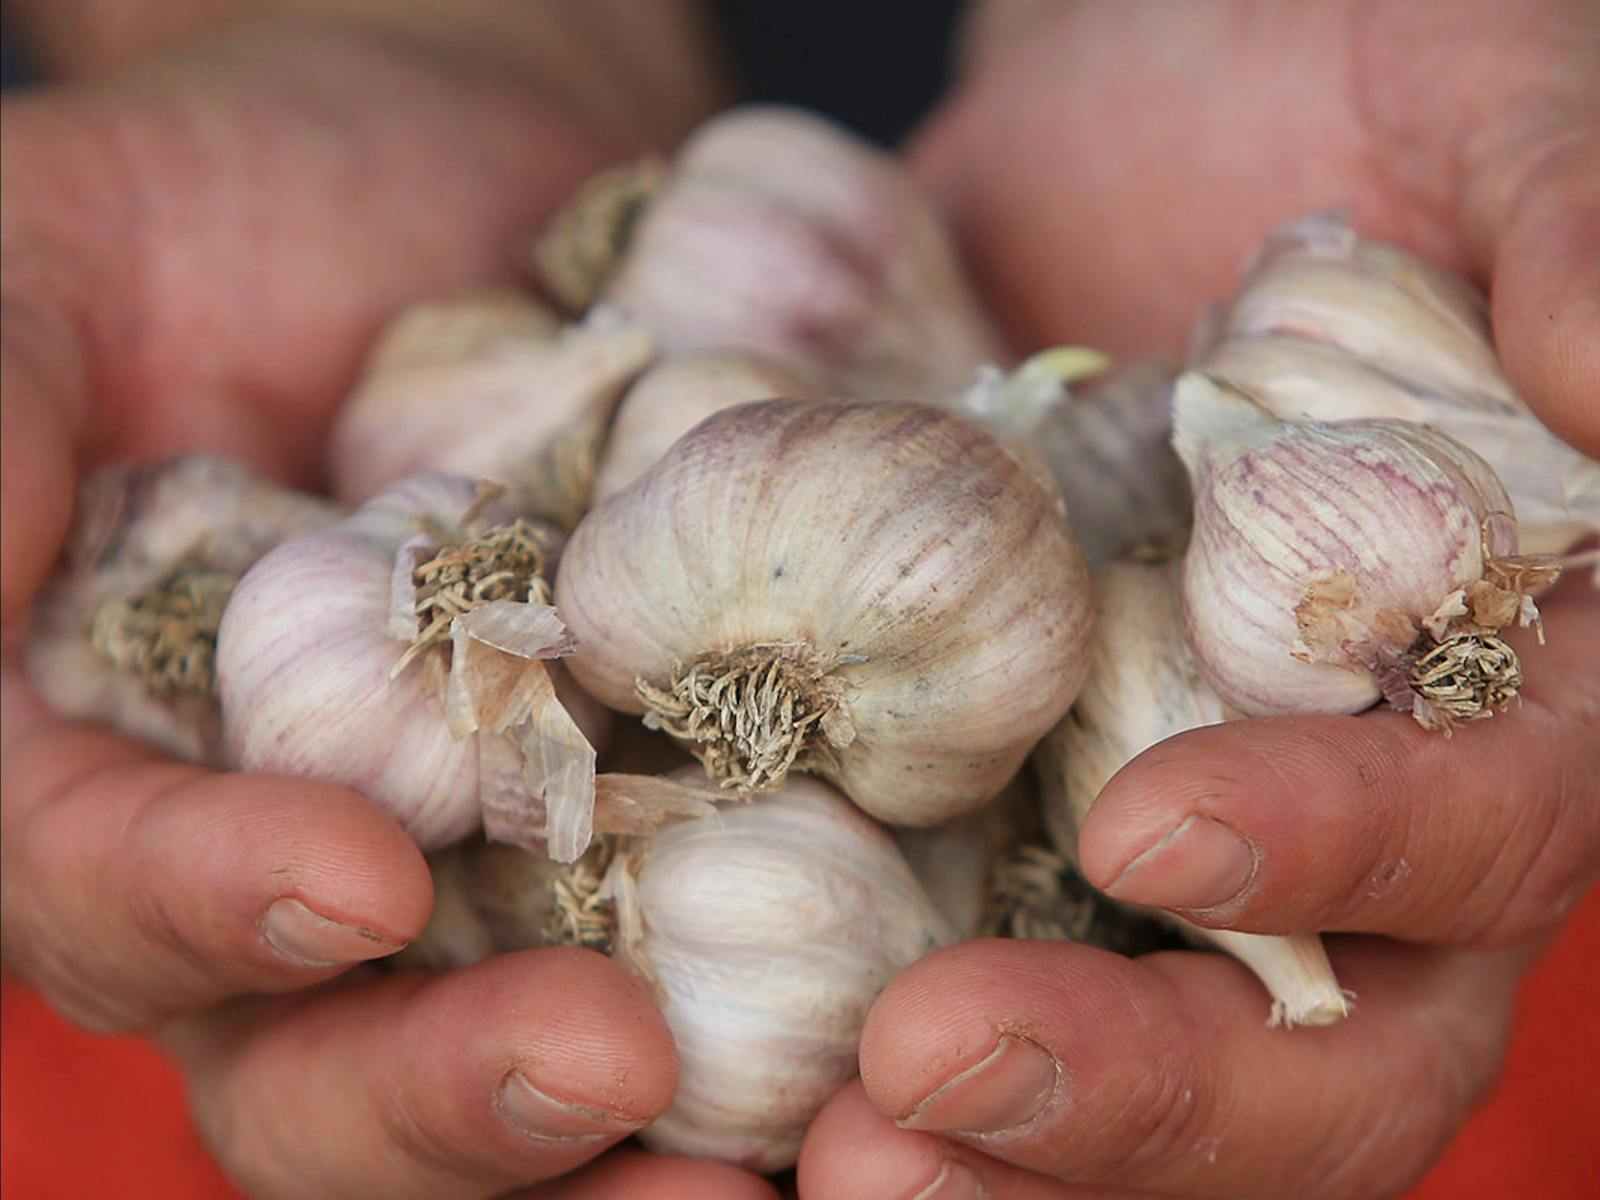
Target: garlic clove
(125, 634)
(1144, 687)
(402, 653)
(678, 393)
(875, 592)
(1329, 325)
(777, 232)
(1334, 563)
(489, 386)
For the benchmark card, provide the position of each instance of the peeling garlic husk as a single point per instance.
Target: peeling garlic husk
(767, 930)
(678, 393)
(1336, 563)
(1103, 436)
(736, 595)
(1144, 687)
(326, 671)
(1329, 325)
(492, 386)
(125, 634)
(777, 232)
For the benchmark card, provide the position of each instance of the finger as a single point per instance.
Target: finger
(460, 1085)
(854, 1152)
(135, 887)
(1370, 822)
(626, 1174)
(1159, 1073)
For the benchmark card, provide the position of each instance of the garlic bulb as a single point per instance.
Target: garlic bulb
(400, 654)
(875, 592)
(1334, 563)
(491, 386)
(1104, 436)
(126, 633)
(1329, 325)
(777, 232)
(767, 931)
(1143, 687)
(678, 393)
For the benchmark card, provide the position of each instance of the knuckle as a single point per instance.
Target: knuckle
(1165, 1123)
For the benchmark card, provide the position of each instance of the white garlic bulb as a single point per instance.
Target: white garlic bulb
(1103, 435)
(1334, 563)
(678, 393)
(400, 653)
(956, 862)
(1144, 687)
(1332, 326)
(767, 930)
(778, 232)
(488, 385)
(126, 633)
(875, 592)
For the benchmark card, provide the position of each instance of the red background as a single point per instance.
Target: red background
(85, 1117)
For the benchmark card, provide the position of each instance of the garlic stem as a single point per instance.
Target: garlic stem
(587, 239)
(1295, 969)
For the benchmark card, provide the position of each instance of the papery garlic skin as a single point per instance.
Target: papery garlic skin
(955, 862)
(678, 393)
(1332, 326)
(1323, 551)
(136, 527)
(1144, 687)
(767, 929)
(491, 386)
(307, 669)
(779, 233)
(914, 587)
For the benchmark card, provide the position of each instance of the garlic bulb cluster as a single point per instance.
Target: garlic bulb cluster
(1329, 325)
(126, 633)
(877, 593)
(488, 385)
(1334, 563)
(767, 930)
(1102, 435)
(956, 862)
(777, 232)
(1143, 687)
(678, 393)
(402, 653)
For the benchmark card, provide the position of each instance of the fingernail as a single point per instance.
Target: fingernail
(1200, 864)
(1006, 1089)
(540, 1116)
(309, 939)
(955, 1181)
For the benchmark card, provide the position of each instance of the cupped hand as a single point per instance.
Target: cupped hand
(1144, 150)
(195, 255)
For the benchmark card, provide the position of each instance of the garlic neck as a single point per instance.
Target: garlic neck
(752, 713)
(166, 634)
(587, 240)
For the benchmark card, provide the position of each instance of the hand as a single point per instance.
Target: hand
(195, 255)
(1143, 150)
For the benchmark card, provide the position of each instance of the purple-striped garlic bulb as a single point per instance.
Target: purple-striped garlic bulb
(403, 653)
(1337, 563)
(879, 593)
(777, 232)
